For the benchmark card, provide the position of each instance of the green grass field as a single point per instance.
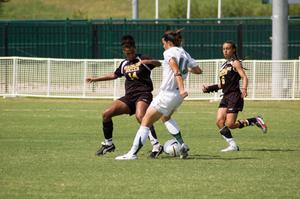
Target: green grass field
(47, 151)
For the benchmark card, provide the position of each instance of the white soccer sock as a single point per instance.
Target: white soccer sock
(108, 141)
(172, 126)
(140, 139)
(230, 141)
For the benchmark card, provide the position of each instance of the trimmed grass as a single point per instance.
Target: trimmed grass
(47, 151)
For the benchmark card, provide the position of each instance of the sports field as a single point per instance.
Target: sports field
(47, 151)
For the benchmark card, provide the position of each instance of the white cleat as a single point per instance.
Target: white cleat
(126, 156)
(231, 148)
(261, 124)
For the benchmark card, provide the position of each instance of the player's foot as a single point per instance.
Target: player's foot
(231, 148)
(126, 156)
(261, 124)
(156, 152)
(105, 148)
(184, 151)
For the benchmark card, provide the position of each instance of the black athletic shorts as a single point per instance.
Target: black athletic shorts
(131, 100)
(233, 102)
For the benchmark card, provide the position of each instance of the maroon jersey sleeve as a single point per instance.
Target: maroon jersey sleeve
(119, 71)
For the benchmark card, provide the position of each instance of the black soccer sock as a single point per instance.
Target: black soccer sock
(107, 129)
(226, 132)
(243, 123)
(152, 136)
(252, 121)
(178, 138)
(153, 132)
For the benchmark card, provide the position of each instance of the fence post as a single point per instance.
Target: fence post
(188, 82)
(116, 81)
(49, 77)
(14, 76)
(6, 54)
(254, 79)
(216, 79)
(294, 81)
(84, 75)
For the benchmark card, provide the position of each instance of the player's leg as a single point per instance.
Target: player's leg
(151, 116)
(118, 107)
(173, 101)
(174, 130)
(223, 117)
(258, 121)
(141, 108)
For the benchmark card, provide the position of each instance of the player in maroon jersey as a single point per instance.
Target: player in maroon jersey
(233, 99)
(136, 68)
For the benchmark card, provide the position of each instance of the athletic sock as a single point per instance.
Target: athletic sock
(252, 121)
(226, 134)
(246, 122)
(178, 137)
(107, 128)
(173, 128)
(139, 140)
(108, 141)
(153, 137)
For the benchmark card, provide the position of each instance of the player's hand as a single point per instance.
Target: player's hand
(183, 94)
(90, 79)
(244, 92)
(205, 89)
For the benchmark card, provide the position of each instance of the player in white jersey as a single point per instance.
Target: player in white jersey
(171, 95)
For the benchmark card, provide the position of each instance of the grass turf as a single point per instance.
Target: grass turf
(47, 151)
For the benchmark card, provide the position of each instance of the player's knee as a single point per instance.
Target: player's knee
(139, 117)
(106, 116)
(220, 123)
(165, 118)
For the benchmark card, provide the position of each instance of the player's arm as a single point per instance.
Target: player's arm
(153, 62)
(149, 61)
(109, 76)
(193, 66)
(195, 70)
(178, 76)
(211, 88)
(238, 67)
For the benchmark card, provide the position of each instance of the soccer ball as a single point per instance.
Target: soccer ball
(172, 147)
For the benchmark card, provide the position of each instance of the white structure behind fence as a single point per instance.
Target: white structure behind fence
(65, 78)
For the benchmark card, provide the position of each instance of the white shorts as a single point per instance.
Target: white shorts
(166, 102)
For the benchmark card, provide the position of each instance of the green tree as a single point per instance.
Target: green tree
(1, 5)
(230, 8)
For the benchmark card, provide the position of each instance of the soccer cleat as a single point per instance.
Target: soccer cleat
(105, 148)
(261, 124)
(126, 156)
(184, 151)
(231, 148)
(156, 153)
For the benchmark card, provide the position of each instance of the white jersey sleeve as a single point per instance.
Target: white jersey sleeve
(183, 60)
(192, 62)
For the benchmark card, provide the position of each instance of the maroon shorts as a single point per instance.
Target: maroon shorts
(233, 102)
(131, 100)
